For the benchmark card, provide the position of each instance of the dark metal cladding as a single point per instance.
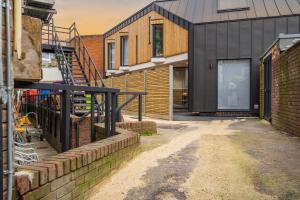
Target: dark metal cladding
(192, 10)
(184, 12)
(240, 39)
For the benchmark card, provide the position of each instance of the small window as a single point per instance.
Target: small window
(124, 50)
(232, 5)
(111, 55)
(158, 40)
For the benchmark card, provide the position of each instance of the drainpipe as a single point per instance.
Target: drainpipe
(9, 103)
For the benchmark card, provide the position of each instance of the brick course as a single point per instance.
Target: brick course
(97, 160)
(138, 127)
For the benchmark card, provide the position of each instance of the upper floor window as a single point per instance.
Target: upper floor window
(124, 50)
(111, 56)
(158, 40)
(232, 5)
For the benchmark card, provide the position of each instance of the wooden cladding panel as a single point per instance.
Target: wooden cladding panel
(157, 101)
(140, 37)
(153, 81)
(120, 83)
(135, 83)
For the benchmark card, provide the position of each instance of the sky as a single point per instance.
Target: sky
(95, 16)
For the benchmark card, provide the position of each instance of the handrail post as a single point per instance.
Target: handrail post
(113, 113)
(107, 114)
(65, 120)
(140, 107)
(93, 133)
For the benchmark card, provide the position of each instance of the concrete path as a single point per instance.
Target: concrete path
(210, 159)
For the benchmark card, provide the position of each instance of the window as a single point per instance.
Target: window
(124, 50)
(180, 87)
(234, 85)
(111, 55)
(47, 60)
(158, 40)
(232, 5)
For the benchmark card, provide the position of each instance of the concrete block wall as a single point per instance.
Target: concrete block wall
(74, 174)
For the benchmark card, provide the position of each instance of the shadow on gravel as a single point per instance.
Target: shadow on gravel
(165, 181)
(277, 155)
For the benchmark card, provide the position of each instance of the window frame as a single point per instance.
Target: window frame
(122, 51)
(250, 86)
(111, 65)
(241, 8)
(154, 28)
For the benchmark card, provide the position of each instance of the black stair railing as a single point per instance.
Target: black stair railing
(67, 39)
(63, 63)
(81, 52)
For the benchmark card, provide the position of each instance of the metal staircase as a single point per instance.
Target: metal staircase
(74, 61)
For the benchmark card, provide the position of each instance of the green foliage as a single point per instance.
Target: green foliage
(146, 133)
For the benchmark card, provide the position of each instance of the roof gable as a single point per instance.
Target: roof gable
(186, 12)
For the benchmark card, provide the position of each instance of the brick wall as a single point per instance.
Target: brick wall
(54, 136)
(74, 174)
(155, 81)
(94, 44)
(4, 108)
(285, 90)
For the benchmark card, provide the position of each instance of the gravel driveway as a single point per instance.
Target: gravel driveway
(226, 159)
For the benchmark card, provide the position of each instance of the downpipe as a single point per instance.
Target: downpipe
(9, 103)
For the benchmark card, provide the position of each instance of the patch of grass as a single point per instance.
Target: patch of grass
(146, 133)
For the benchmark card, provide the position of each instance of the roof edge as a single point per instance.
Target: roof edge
(147, 9)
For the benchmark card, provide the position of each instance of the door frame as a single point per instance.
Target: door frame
(268, 88)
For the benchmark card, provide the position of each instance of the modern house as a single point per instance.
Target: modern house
(213, 45)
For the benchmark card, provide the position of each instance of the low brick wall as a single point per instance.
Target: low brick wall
(138, 127)
(53, 135)
(74, 174)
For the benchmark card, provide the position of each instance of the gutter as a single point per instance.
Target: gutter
(280, 37)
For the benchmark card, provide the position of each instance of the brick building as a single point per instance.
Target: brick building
(94, 45)
(280, 83)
